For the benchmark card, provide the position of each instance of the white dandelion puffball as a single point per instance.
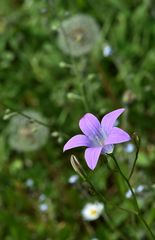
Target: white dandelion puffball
(78, 35)
(24, 134)
(92, 211)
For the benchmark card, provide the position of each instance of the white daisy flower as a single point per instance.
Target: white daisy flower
(92, 211)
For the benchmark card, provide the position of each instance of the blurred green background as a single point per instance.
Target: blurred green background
(37, 200)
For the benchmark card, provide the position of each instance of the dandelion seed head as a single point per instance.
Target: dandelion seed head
(24, 134)
(78, 35)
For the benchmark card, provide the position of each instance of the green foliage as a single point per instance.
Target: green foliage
(35, 74)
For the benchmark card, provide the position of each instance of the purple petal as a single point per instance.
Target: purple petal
(117, 135)
(92, 156)
(109, 119)
(108, 149)
(90, 125)
(77, 141)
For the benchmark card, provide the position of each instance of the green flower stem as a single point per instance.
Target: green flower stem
(134, 164)
(104, 200)
(139, 215)
(137, 143)
(79, 170)
(107, 205)
(78, 75)
(100, 198)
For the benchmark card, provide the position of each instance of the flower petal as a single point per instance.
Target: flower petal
(92, 156)
(90, 125)
(117, 135)
(77, 141)
(109, 119)
(108, 149)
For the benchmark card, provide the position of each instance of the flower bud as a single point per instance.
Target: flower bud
(8, 114)
(64, 65)
(77, 167)
(136, 139)
(73, 96)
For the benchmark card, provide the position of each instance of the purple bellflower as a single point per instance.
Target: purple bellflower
(98, 137)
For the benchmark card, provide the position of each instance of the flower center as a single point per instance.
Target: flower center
(98, 139)
(93, 212)
(78, 35)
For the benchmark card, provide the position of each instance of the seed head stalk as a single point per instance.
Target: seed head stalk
(77, 73)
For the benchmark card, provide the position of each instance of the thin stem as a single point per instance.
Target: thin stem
(25, 115)
(74, 68)
(76, 71)
(96, 191)
(147, 226)
(134, 162)
(104, 200)
(126, 180)
(134, 198)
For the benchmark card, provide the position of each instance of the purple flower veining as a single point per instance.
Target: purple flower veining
(99, 138)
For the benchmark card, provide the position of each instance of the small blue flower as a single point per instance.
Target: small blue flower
(107, 51)
(29, 182)
(73, 179)
(42, 197)
(129, 148)
(140, 189)
(43, 207)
